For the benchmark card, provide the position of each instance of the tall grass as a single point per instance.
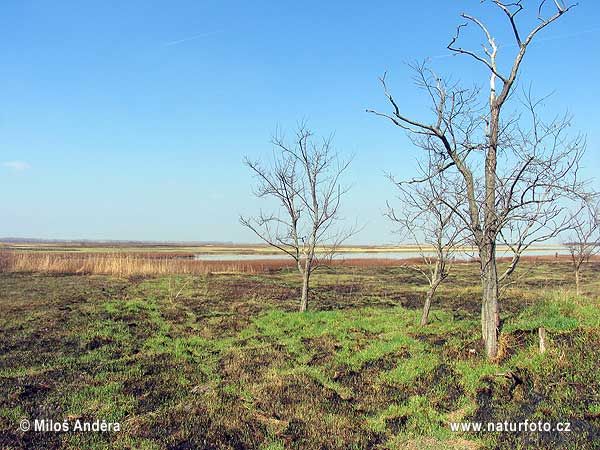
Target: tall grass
(157, 263)
(153, 263)
(127, 264)
(133, 263)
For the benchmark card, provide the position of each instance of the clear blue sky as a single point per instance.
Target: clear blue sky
(129, 119)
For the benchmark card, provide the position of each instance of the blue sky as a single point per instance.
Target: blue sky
(129, 119)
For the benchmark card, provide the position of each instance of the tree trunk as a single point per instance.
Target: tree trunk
(427, 305)
(490, 320)
(305, 287)
(489, 303)
(577, 281)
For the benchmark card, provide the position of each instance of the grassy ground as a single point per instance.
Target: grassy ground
(224, 361)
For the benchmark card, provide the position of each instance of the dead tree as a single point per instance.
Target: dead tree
(426, 216)
(513, 176)
(584, 239)
(304, 179)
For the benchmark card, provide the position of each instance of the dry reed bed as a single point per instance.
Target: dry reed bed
(126, 264)
(129, 264)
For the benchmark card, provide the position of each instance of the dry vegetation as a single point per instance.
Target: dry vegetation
(161, 263)
(127, 264)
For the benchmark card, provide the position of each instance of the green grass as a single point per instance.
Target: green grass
(230, 364)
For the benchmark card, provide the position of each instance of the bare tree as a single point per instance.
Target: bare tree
(426, 216)
(515, 168)
(304, 179)
(584, 239)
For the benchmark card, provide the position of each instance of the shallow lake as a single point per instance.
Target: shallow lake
(368, 255)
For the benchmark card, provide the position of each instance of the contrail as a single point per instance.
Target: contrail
(191, 38)
(549, 38)
(566, 36)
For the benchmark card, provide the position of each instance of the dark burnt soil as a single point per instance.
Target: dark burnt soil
(227, 363)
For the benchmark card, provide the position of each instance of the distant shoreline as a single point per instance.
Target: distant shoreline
(192, 249)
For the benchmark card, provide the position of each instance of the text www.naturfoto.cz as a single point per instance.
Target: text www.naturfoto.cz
(514, 427)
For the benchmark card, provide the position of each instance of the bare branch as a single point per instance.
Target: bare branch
(304, 178)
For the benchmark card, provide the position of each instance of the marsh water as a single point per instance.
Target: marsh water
(369, 255)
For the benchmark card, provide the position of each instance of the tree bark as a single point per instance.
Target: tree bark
(487, 247)
(577, 281)
(305, 288)
(427, 304)
(426, 307)
(489, 303)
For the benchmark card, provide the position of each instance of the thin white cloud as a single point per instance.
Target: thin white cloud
(190, 38)
(16, 165)
(542, 39)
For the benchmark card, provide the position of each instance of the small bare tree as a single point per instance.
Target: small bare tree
(426, 216)
(515, 173)
(304, 179)
(584, 239)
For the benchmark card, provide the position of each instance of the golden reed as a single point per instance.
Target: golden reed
(139, 263)
(126, 264)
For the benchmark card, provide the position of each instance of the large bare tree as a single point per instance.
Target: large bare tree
(425, 215)
(517, 169)
(303, 177)
(584, 239)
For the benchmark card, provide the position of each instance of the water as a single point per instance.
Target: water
(369, 255)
